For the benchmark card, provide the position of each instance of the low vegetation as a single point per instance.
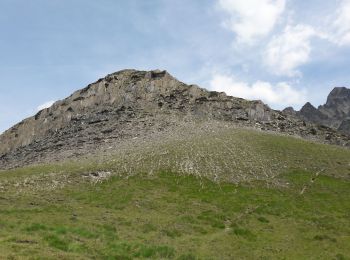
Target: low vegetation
(184, 200)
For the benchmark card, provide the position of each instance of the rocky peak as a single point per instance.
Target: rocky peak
(335, 113)
(131, 103)
(129, 96)
(290, 111)
(338, 95)
(338, 104)
(310, 113)
(308, 107)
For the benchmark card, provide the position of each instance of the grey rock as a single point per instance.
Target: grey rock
(334, 113)
(345, 126)
(133, 104)
(289, 111)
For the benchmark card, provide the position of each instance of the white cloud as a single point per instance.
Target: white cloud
(280, 95)
(289, 50)
(341, 24)
(252, 19)
(45, 105)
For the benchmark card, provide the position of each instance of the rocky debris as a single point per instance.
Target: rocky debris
(335, 113)
(133, 104)
(97, 177)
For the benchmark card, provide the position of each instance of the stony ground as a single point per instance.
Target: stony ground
(223, 194)
(212, 150)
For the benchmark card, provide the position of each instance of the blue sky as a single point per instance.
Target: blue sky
(285, 52)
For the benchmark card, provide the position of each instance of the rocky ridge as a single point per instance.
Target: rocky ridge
(133, 104)
(335, 113)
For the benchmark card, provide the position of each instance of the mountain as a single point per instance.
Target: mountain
(139, 165)
(133, 104)
(335, 113)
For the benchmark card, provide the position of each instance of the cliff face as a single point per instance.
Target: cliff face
(128, 96)
(335, 113)
(129, 104)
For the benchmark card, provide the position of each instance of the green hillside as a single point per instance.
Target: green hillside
(224, 194)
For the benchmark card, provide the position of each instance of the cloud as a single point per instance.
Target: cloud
(341, 24)
(289, 50)
(280, 95)
(45, 105)
(252, 19)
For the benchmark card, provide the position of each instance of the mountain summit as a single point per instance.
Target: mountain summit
(132, 104)
(335, 113)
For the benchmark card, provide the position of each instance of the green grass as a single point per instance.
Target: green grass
(168, 206)
(180, 217)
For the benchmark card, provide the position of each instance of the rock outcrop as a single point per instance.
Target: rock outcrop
(335, 113)
(129, 104)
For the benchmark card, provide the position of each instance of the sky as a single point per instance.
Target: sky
(284, 52)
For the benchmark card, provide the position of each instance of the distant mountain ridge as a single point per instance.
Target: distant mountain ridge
(335, 113)
(136, 105)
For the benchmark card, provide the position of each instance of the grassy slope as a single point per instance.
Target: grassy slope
(162, 212)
